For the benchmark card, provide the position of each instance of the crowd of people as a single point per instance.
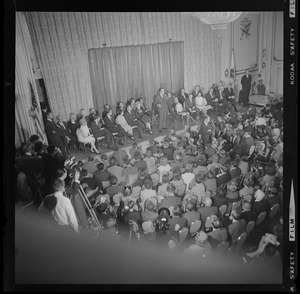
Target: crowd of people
(193, 193)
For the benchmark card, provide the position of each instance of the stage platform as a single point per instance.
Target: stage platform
(178, 126)
(259, 100)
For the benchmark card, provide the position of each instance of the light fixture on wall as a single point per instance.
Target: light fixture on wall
(217, 20)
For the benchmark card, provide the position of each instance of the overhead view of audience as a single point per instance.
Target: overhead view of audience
(216, 189)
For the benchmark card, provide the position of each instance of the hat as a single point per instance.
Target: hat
(201, 237)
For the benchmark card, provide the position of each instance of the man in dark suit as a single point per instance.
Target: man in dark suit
(237, 226)
(211, 99)
(230, 96)
(207, 209)
(53, 134)
(73, 125)
(205, 131)
(99, 131)
(162, 109)
(112, 127)
(222, 101)
(224, 177)
(246, 85)
(133, 121)
(182, 96)
(31, 166)
(218, 234)
(235, 171)
(65, 133)
(196, 91)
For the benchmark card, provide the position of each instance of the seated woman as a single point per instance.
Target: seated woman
(201, 104)
(84, 135)
(142, 116)
(178, 107)
(121, 121)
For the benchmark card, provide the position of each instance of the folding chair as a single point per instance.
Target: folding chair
(240, 241)
(250, 226)
(261, 217)
(223, 209)
(274, 210)
(183, 234)
(195, 227)
(221, 248)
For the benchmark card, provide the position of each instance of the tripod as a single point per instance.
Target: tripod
(89, 208)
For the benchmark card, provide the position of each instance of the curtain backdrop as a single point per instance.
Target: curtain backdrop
(120, 73)
(25, 125)
(61, 42)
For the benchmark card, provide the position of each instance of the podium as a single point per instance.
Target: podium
(258, 100)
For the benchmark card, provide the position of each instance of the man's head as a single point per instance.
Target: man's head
(113, 180)
(72, 116)
(235, 215)
(246, 206)
(50, 115)
(259, 195)
(50, 202)
(161, 91)
(207, 119)
(59, 118)
(176, 210)
(58, 185)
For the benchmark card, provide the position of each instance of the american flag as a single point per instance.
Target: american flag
(36, 115)
(33, 100)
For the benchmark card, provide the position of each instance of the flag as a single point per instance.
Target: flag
(33, 100)
(36, 115)
(232, 65)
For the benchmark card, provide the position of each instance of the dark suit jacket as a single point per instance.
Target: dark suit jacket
(223, 179)
(189, 104)
(236, 229)
(204, 131)
(228, 92)
(235, 172)
(221, 97)
(130, 117)
(206, 211)
(53, 133)
(215, 237)
(72, 128)
(259, 206)
(194, 93)
(209, 98)
(110, 124)
(63, 130)
(249, 216)
(182, 98)
(246, 83)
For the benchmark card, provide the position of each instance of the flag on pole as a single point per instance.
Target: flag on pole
(36, 115)
(232, 65)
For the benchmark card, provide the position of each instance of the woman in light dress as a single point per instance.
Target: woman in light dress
(84, 135)
(121, 120)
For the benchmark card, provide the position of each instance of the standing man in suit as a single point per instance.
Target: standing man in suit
(205, 131)
(53, 135)
(65, 132)
(246, 85)
(161, 102)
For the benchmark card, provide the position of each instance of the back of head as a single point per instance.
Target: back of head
(246, 206)
(113, 161)
(198, 178)
(113, 180)
(165, 177)
(150, 206)
(201, 238)
(259, 195)
(190, 206)
(221, 192)
(170, 188)
(90, 159)
(58, 185)
(207, 201)
(236, 215)
(137, 155)
(100, 166)
(148, 184)
(84, 172)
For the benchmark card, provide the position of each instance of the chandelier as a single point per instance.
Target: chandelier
(217, 20)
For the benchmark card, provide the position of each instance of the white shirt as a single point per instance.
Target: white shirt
(64, 212)
(179, 107)
(187, 178)
(200, 102)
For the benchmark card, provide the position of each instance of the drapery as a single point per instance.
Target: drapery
(26, 121)
(61, 42)
(120, 73)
